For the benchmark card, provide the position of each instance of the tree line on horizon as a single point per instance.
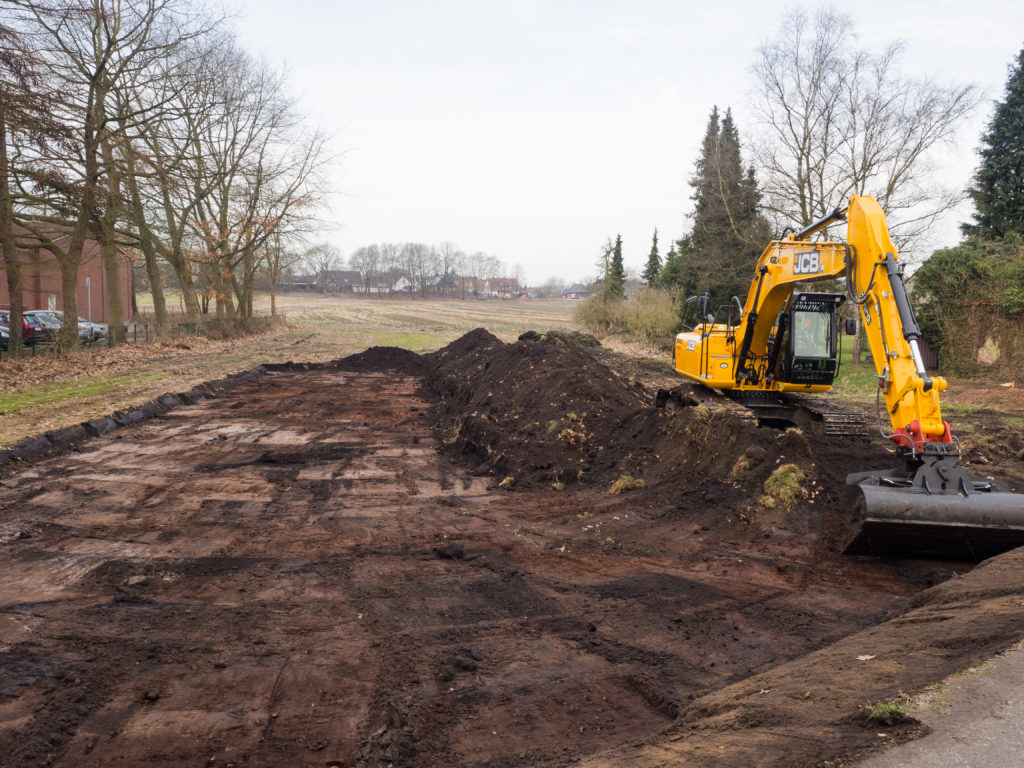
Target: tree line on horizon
(382, 266)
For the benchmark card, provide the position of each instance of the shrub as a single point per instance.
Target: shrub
(972, 297)
(652, 315)
(600, 315)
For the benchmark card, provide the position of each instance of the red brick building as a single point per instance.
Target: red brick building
(41, 282)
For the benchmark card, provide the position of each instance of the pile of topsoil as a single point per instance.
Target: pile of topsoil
(544, 412)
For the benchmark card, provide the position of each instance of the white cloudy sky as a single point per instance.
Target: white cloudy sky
(535, 130)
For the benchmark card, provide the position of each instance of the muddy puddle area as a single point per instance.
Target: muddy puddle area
(397, 560)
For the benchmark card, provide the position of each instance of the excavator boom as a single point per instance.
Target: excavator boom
(783, 340)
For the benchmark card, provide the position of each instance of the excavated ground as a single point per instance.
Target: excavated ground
(415, 561)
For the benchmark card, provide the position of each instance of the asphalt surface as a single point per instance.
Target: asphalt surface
(976, 717)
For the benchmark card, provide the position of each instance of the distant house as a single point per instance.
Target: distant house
(297, 283)
(342, 280)
(575, 291)
(42, 287)
(502, 287)
(442, 285)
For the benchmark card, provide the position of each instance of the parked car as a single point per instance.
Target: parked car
(89, 332)
(5, 337)
(48, 321)
(31, 331)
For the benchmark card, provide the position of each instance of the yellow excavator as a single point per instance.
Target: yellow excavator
(782, 343)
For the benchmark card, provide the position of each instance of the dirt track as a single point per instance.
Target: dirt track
(294, 573)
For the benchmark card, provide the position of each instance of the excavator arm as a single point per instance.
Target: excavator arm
(876, 284)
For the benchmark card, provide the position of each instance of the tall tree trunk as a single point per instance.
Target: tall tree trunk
(70, 262)
(857, 343)
(244, 289)
(10, 252)
(223, 290)
(273, 267)
(156, 284)
(115, 304)
(193, 309)
(106, 237)
(175, 257)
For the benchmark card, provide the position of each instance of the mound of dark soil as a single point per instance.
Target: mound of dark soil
(383, 359)
(537, 411)
(545, 412)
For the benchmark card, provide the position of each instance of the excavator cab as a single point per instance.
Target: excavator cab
(807, 340)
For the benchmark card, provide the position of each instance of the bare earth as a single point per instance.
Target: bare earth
(295, 573)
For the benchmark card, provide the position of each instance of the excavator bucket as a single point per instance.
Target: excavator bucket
(940, 513)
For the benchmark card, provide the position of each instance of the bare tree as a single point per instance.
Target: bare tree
(322, 259)
(518, 274)
(416, 260)
(391, 264)
(553, 287)
(28, 134)
(92, 48)
(367, 261)
(278, 260)
(841, 121)
(448, 256)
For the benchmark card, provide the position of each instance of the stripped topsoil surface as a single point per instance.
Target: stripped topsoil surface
(450, 559)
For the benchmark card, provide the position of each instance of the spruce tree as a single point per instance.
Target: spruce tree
(728, 234)
(671, 275)
(653, 268)
(616, 272)
(998, 190)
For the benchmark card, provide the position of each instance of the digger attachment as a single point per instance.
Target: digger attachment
(939, 512)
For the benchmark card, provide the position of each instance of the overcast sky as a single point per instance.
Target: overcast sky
(535, 130)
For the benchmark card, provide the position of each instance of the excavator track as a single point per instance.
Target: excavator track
(815, 414)
(836, 420)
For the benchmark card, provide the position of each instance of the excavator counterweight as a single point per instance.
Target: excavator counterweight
(784, 342)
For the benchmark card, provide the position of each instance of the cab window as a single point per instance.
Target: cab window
(812, 334)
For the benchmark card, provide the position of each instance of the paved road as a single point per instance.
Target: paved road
(977, 721)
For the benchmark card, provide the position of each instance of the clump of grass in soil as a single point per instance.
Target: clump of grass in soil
(889, 713)
(625, 483)
(742, 465)
(783, 487)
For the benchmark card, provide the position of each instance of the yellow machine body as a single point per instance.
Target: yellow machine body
(711, 353)
(932, 507)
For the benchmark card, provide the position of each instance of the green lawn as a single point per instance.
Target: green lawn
(55, 394)
(857, 382)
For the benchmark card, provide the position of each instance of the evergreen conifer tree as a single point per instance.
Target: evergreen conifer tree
(998, 190)
(671, 275)
(616, 278)
(653, 268)
(728, 234)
